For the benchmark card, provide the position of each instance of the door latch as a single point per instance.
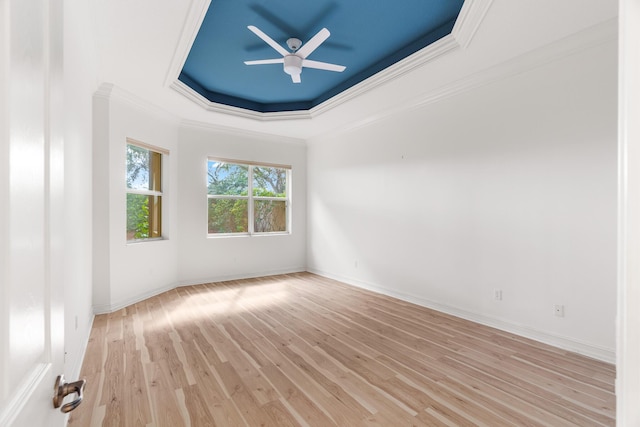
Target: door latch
(63, 389)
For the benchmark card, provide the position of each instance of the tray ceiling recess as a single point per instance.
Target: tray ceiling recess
(351, 49)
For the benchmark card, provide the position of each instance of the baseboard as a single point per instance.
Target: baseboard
(110, 308)
(225, 278)
(117, 305)
(74, 373)
(77, 366)
(565, 343)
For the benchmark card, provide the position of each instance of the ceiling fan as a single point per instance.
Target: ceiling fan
(295, 60)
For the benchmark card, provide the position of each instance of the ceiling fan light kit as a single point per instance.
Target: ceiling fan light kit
(295, 60)
(292, 65)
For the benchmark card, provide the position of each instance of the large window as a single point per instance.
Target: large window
(247, 198)
(144, 191)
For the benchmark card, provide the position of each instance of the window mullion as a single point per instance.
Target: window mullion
(226, 197)
(144, 192)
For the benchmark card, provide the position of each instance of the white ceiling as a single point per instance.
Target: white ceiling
(137, 43)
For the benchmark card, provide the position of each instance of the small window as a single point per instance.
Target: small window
(247, 198)
(144, 192)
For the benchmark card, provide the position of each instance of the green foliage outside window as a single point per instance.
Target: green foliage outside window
(144, 193)
(228, 210)
(137, 216)
(228, 216)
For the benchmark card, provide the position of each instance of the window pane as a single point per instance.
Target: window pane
(143, 169)
(155, 171)
(227, 179)
(144, 216)
(228, 216)
(270, 216)
(155, 216)
(269, 182)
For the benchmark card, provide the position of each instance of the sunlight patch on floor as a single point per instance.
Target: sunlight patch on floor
(228, 301)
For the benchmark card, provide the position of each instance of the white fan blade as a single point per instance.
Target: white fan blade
(312, 44)
(265, 61)
(323, 65)
(268, 40)
(295, 78)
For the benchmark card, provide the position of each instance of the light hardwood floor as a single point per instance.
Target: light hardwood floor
(300, 349)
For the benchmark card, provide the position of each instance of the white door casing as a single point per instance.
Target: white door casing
(31, 211)
(628, 322)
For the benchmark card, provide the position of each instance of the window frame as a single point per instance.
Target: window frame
(251, 198)
(160, 194)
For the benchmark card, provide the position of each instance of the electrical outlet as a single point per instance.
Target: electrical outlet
(497, 294)
(558, 310)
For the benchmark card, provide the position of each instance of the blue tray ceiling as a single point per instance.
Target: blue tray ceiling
(366, 37)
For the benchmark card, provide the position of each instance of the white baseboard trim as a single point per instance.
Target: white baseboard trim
(565, 343)
(117, 305)
(226, 278)
(77, 366)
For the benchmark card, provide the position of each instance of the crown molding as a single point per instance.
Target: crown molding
(471, 15)
(229, 130)
(104, 91)
(192, 23)
(468, 22)
(203, 102)
(111, 92)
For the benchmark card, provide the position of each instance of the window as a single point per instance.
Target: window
(247, 198)
(144, 191)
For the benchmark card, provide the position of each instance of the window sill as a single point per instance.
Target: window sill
(137, 241)
(232, 235)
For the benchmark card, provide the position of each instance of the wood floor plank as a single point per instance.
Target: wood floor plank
(304, 350)
(166, 407)
(249, 407)
(280, 414)
(138, 410)
(198, 407)
(209, 383)
(113, 387)
(327, 399)
(520, 388)
(330, 384)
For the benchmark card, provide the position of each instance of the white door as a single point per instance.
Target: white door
(31, 207)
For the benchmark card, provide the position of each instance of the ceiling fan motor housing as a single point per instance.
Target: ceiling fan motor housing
(292, 64)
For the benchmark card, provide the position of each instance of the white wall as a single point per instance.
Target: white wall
(80, 80)
(510, 186)
(126, 273)
(204, 259)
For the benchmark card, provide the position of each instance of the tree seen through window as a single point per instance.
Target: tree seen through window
(144, 193)
(237, 192)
